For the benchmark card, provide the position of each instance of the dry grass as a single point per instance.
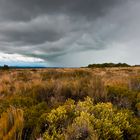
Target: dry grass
(22, 81)
(66, 83)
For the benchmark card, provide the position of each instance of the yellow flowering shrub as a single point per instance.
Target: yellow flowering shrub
(57, 120)
(89, 121)
(86, 106)
(81, 128)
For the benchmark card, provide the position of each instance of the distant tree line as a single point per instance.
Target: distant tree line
(108, 65)
(5, 67)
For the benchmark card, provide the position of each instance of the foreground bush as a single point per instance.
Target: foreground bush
(88, 121)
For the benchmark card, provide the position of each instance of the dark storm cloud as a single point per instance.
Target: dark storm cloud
(37, 21)
(28, 9)
(56, 29)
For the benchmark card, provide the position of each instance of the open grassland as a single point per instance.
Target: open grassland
(70, 104)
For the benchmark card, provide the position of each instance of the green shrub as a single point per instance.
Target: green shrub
(22, 102)
(122, 97)
(31, 117)
(134, 83)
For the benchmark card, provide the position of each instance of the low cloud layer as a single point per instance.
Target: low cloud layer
(70, 33)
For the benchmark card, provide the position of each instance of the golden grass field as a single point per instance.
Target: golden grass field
(10, 81)
(38, 99)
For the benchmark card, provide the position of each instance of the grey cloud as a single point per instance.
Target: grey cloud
(38, 30)
(28, 9)
(56, 30)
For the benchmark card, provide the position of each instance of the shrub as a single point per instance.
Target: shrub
(78, 89)
(122, 97)
(31, 117)
(81, 128)
(138, 108)
(134, 83)
(22, 102)
(89, 121)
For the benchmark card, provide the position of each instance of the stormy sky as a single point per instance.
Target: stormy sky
(69, 33)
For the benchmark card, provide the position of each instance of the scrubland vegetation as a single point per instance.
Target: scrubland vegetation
(70, 104)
